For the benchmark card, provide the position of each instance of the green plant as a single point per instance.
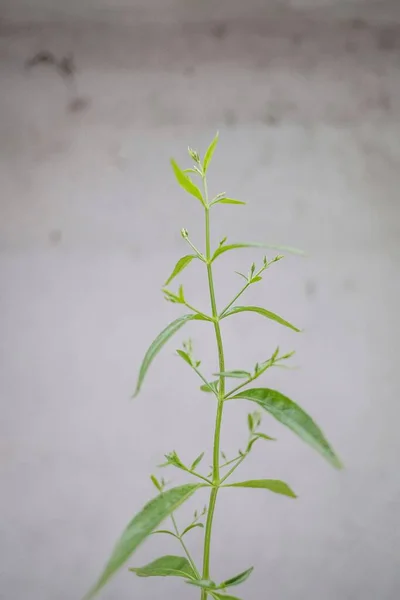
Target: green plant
(164, 505)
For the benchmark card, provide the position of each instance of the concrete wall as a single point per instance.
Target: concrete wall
(308, 110)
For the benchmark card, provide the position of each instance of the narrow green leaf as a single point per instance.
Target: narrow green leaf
(227, 201)
(158, 343)
(166, 532)
(211, 387)
(233, 374)
(293, 416)
(197, 461)
(185, 182)
(261, 311)
(205, 584)
(224, 597)
(166, 566)
(141, 526)
(171, 297)
(263, 436)
(185, 356)
(180, 265)
(237, 579)
(273, 485)
(209, 153)
(226, 248)
(192, 526)
(156, 483)
(241, 275)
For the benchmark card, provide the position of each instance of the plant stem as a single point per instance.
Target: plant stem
(221, 393)
(190, 559)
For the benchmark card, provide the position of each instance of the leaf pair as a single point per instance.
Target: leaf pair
(179, 566)
(141, 526)
(232, 581)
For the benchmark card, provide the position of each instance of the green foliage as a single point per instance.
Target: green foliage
(273, 485)
(210, 152)
(141, 526)
(166, 566)
(158, 343)
(180, 265)
(261, 311)
(290, 414)
(186, 183)
(241, 578)
(227, 201)
(145, 524)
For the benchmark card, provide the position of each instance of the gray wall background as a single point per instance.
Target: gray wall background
(306, 98)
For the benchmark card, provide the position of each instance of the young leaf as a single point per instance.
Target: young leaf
(197, 461)
(185, 356)
(237, 579)
(180, 265)
(227, 201)
(233, 374)
(171, 297)
(293, 416)
(209, 154)
(185, 182)
(141, 526)
(263, 436)
(221, 249)
(273, 485)
(261, 311)
(211, 387)
(192, 526)
(156, 483)
(166, 566)
(166, 532)
(158, 343)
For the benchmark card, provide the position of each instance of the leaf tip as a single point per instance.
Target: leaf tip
(337, 463)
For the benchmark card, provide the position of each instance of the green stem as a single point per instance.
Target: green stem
(244, 288)
(239, 462)
(185, 549)
(198, 312)
(221, 393)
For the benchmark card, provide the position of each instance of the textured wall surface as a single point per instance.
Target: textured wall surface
(307, 105)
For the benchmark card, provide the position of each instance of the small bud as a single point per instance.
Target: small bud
(253, 268)
(184, 233)
(265, 261)
(194, 154)
(250, 422)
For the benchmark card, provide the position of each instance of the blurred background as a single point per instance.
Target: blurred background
(96, 96)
